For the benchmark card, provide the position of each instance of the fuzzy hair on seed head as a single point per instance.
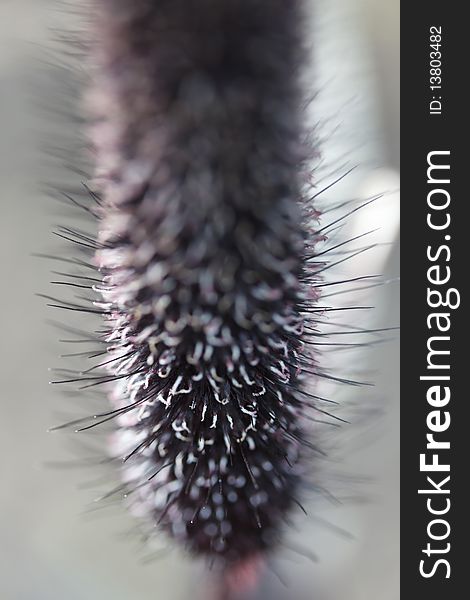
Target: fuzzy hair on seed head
(202, 249)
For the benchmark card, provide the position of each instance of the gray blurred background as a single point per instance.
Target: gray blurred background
(52, 545)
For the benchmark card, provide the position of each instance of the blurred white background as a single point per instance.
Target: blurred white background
(49, 548)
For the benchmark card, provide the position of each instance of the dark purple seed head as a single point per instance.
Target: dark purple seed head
(200, 171)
